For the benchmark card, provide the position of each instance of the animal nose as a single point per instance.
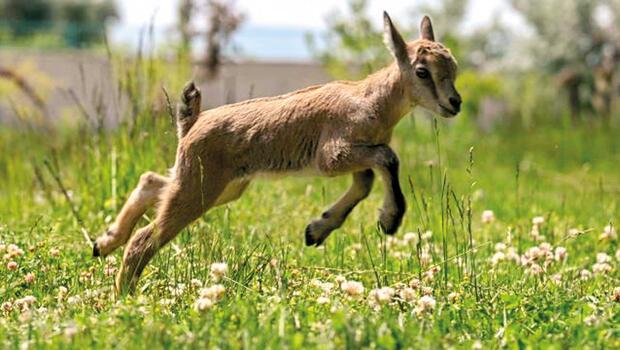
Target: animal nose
(455, 101)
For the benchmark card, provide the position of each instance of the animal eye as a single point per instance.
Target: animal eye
(422, 73)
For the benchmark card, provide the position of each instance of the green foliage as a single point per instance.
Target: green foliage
(474, 87)
(353, 47)
(72, 23)
(579, 47)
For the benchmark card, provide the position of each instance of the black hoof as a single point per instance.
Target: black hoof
(96, 252)
(309, 239)
(389, 229)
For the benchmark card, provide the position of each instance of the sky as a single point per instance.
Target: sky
(275, 29)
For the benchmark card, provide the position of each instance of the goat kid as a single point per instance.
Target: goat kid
(338, 128)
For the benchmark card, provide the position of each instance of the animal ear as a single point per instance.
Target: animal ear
(394, 41)
(426, 29)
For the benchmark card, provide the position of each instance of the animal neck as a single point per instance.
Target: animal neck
(388, 91)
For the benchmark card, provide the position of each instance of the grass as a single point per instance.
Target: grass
(278, 293)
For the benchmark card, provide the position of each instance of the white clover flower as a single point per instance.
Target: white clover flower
(326, 287)
(14, 251)
(203, 304)
(213, 293)
(534, 270)
(534, 253)
(574, 232)
(356, 247)
(415, 284)
(561, 253)
(454, 297)
(616, 295)
(427, 235)
(601, 268)
(352, 288)
(70, 331)
(603, 258)
(538, 220)
(74, 300)
(340, 279)
(545, 248)
(557, 279)
(315, 282)
(487, 216)
(497, 258)
(609, 232)
(407, 294)
(429, 274)
(196, 283)
(29, 277)
(427, 302)
(585, 275)
(590, 320)
(218, 270)
(381, 296)
(12, 265)
(425, 258)
(322, 300)
(427, 290)
(548, 259)
(500, 247)
(511, 255)
(54, 252)
(392, 242)
(7, 306)
(26, 302)
(410, 238)
(109, 270)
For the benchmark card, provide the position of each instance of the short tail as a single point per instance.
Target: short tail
(188, 109)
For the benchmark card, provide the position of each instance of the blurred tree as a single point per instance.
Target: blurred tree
(351, 46)
(86, 20)
(83, 22)
(24, 16)
(186, 9)
(222, 21)
(447, 16)
(580, 47)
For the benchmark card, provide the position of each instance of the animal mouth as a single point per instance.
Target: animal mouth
(449, 111)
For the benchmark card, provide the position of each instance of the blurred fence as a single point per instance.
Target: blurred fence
(77, 82)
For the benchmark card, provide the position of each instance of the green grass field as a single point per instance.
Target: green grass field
(455, 288)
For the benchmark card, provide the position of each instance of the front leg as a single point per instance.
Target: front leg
(394, 206)
(331, 219)
(337, 159)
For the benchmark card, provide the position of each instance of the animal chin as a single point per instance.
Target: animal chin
(447, 112)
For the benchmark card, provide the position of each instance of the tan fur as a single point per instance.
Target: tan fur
(329, 130)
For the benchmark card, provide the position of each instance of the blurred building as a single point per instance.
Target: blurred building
(83, 82)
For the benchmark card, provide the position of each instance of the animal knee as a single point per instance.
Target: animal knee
(390, 161)
(151, 180)
(365, 180)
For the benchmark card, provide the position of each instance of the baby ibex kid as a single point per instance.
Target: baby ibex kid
(338, 128)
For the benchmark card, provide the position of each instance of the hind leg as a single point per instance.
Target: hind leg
(141, 198)
(331, 219)
(181, 204)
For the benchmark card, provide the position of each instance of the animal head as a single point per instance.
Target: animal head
(427, 67)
